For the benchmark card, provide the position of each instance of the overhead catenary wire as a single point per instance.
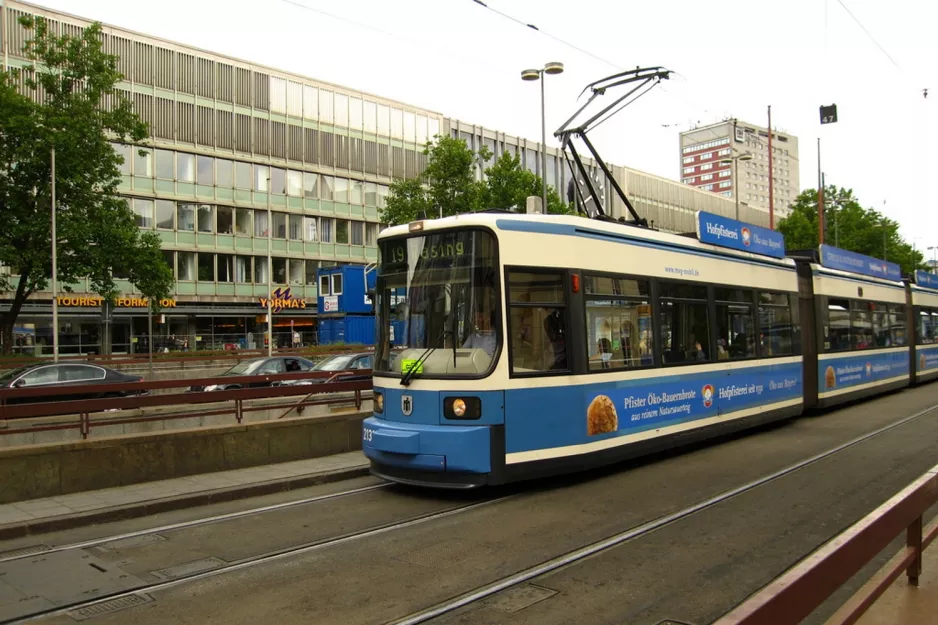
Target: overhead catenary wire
(868, 34)
(554, 37)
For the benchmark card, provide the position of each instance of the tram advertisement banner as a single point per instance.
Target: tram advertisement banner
(836, 258)
(926, 279)
(926, 358)
(850, 370)
(564, 416)
(739, 235)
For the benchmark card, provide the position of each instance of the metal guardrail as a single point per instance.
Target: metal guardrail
(86, 413)
(13, 362)
(797, 593)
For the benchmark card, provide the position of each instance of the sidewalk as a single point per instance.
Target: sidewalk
(66, 511)
(902, 604)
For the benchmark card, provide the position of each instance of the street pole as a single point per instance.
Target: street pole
(543, 145)
(771, 186)
(150, 335)
(820, 195)
(55, 285)
(270, 272)
(736, 184)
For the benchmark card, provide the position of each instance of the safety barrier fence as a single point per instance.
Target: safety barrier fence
(83, 407)
(200, 358)
(802, 589)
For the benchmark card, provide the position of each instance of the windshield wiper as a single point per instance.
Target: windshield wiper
(405, 381)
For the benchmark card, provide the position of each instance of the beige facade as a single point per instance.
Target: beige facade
(703, 150)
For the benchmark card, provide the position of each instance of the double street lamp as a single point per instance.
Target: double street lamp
(745, 156)
(538, 74)
(934, 262)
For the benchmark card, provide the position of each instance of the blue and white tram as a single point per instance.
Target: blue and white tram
(545, 344)
(924, 300)
(856, 341)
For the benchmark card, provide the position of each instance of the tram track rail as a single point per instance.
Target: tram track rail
(27, 552)
(141, 592)
(580, 554)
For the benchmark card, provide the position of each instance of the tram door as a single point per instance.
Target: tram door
(808, 309)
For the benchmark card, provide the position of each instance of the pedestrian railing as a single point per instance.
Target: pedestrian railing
(23, 413)
(797, 593)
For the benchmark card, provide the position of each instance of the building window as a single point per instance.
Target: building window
(725, 173)
(185, 217)
(206, 175)
(371, 235)
(726, 184)
(165, 165)
(185, 266)
(688, 159)
(296, 228)
(260, 223)
(706, 156)
(206, 267)
(278, 181)
(355, 192)
(243, 269)
(243, 222)
(260, 270)
(206, 218)
(341, 231)
(688, 170)
(310, 185)
(324, 285)
(296, 270)
(706, 177)
(185, 167)
(225, 216)
(371, 194)
(165, 211)
(311, 267)
(261, 178)
(355, 230)
(280, 270)
(143, 163)
(295, 183)
(689, 180)
(340, 191)
(309, 228)
(325, 230)
(706, 166)
(225, 267)
(243, 176)
(224, 173)
(126, 152)
(326, 185)
(280, 225)
(143, 212)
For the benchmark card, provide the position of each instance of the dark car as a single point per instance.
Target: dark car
(81, 376)
(259, 367)
(345, 367)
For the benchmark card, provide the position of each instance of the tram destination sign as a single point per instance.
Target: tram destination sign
(739, 235)
(926, 279)
(836, 258)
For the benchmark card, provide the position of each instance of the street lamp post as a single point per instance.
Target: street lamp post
(745, 156)
(934, 263)
(270, 273)
(55, 284)
(538, 74)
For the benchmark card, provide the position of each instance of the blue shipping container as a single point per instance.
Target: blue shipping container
(344, 290)
(350, 329)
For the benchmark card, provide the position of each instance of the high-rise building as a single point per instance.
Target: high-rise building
(238, 150)
(707, 153)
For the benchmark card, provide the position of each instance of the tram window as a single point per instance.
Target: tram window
(685, 325)
(837, 325)
(537, 326)
(881, 335)
(861, 325)
(897, 332)
(735, 331)
(619, 334)
(777, 320)
(606, 285)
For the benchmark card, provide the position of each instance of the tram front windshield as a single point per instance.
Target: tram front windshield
(437, 299)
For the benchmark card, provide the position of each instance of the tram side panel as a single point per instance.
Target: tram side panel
(923, 327)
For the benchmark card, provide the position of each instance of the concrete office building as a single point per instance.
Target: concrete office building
(230, 140)
(703, 149)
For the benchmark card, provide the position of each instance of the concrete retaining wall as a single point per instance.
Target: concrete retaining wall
(49, 470)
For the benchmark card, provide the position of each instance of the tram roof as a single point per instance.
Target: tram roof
(561, 225)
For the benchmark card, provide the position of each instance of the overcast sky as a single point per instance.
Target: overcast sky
(731, 58)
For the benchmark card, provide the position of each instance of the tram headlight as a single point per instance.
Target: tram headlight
(379, 401)
(464, 408)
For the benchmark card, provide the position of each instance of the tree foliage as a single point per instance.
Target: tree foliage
(67, 101)
(849, 226)
(448, 186)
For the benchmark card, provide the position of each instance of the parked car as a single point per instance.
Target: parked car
(345, 366)
(259, 367)
(82, 376)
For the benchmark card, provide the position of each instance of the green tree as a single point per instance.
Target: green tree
(849, 226)
(448, 185)
(67, 101)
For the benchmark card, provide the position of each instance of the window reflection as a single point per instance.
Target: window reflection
(185, 167)
(244, 222)
(261, 175)
(165, 211)
(185, 217)
(310, 185)
(206, 175)
(224, 174)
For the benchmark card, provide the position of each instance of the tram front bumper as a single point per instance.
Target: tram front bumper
(435, 448)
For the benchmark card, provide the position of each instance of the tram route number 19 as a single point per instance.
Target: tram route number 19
(367, 434)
